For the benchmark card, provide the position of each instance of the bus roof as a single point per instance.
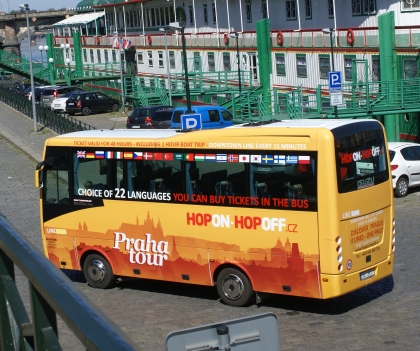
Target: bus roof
(166, 133)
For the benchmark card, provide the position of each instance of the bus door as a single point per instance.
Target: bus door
(253, 67)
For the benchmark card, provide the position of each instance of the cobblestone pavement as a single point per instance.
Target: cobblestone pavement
(383, 316)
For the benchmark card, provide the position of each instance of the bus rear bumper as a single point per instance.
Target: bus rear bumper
(333, 285)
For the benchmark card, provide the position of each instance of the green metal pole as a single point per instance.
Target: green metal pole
(387, 59)
(264, 58)
(78, 60)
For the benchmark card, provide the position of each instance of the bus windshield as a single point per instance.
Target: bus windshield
(360, 157)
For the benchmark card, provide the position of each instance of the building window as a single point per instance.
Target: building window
(324, 66)
(150, 58)
(411, 68)
(140, 58)
(226, 62)
(210, 61)
(280, 65)
(206, 17)
(308, 9)
(197, 62)
(92, 58)
(114, 55)
(248, 11)
(348, 68)
(264, 11)
(171, 59)
(213, 12)
(106, 56)
(98, 54)
(408, 5)
(376, 70)
(291, 9)
(191, 14)
(85, 55)
(364, 7)
(301, 66)
(331, 8)
(160, 59)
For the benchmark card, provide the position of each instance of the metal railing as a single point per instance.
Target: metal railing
(360, 99)
(57, 122)
(51, 293)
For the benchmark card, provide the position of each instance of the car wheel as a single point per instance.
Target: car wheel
(98, 272)
(86, 111)
(115, 108)
(401, 189)
(234, 287)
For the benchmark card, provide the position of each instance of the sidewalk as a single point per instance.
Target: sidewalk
(18, 129)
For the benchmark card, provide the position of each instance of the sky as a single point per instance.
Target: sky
(37, 4)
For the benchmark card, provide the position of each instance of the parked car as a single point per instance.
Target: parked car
(137, 118)
(38, 90)
(59, 104)
(88, 102)
(7, 82)
(49, 94)
(20, 88)
(160, 120)
(211, 116)
(405, 166)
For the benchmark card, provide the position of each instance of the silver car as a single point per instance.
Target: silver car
(49, 94)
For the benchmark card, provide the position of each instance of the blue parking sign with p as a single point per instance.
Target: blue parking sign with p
(191, 121)
(334, 79)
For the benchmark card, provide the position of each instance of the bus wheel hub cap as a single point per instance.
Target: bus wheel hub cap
(96, 271)
(233, 287)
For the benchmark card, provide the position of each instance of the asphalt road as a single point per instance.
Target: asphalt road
(384, 316)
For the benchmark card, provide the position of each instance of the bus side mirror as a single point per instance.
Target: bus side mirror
(38, 179)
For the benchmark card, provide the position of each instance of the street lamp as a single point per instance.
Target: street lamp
(68, 66)
(330, 32)
(121, 69)
(26, 8)
(181, 26)
(45, 48)
(64, 47)
(167, 67)
(236, 35)
(51, 69)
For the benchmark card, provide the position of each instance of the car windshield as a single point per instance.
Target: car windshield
(141, 112)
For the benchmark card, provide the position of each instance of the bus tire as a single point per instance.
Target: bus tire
(86, 111)
(98, 272)
(234, 287)
(401, 188)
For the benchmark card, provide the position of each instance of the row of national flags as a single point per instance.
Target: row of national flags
(164, 156)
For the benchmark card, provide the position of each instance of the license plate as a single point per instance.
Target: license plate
(71, 103)
(367, 274)
(135, 127)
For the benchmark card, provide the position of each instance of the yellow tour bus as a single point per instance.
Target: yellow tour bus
(297, 207)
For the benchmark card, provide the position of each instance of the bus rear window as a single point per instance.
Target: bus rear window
(360, 157)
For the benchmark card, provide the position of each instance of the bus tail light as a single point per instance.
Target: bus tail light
(393, 235)
(340, 267)
(339, 258)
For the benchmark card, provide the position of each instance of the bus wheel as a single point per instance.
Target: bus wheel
(234, 287)
(98, 272)
(401, 189)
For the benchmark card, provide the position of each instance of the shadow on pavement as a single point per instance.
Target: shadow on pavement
(335, 306)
